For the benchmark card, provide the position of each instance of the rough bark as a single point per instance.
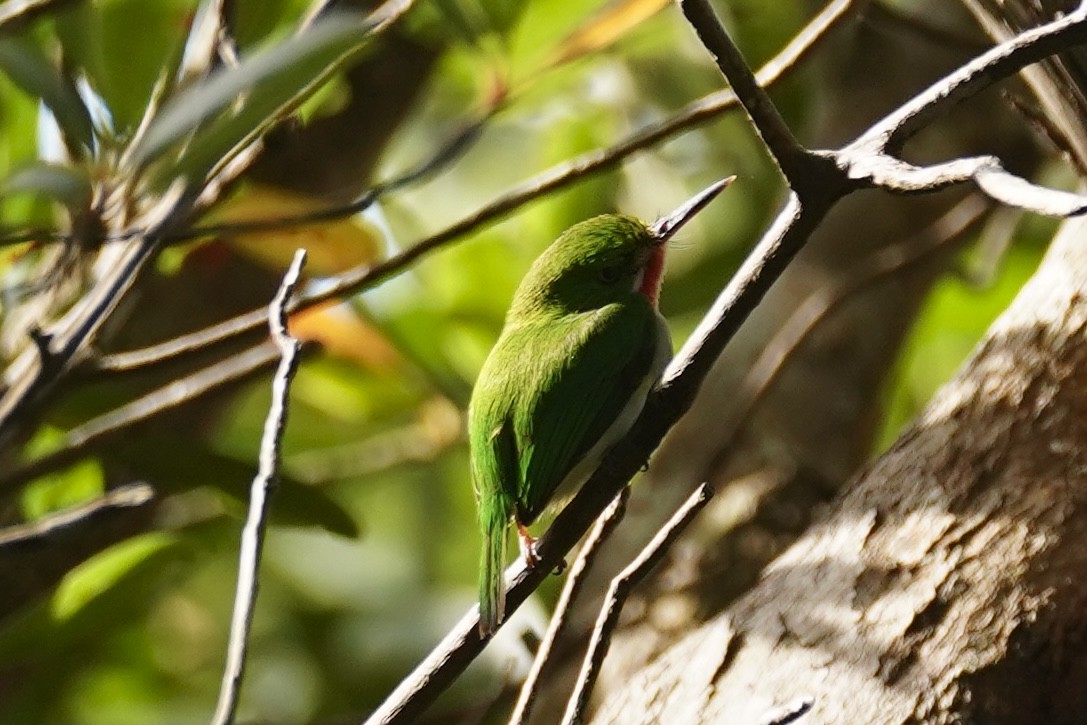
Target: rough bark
(945, 584)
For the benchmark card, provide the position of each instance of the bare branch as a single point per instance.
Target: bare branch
(776, 134)
(985, 172)
(1000, 62)
(621, 588)
(27, 378)
(575, 579)
(89, 436)
(35, 556)
(245, 598)
(1015, 191)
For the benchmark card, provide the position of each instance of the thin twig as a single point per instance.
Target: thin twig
(245, 598)
(984, 172)
(604, 527)
(621, 588)
(35, 556)
(91, 435)
(123, 497)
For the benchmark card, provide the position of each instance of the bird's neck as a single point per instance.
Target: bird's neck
(650, 280)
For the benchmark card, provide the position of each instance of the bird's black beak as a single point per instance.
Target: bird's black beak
(669, 224)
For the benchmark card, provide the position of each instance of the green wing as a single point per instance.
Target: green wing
(577, 399)
(493, 447)
(553, 388)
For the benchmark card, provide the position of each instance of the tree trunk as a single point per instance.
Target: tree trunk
(945, 584)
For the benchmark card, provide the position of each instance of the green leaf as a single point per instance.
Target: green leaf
(122, 47)
(97, 576)
(67, 184)
(267, 81)
(25, 64)
(93, 597)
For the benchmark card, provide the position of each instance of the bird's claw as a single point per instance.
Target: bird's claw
(527, 544)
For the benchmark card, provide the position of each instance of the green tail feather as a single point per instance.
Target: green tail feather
(494, 521)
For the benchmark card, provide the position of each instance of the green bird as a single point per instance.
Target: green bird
(582, 345)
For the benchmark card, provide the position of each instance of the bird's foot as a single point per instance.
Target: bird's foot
(527, 544)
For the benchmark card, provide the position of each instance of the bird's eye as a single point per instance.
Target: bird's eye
(611, 273)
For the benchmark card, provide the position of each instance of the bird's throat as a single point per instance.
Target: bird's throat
(652, 274)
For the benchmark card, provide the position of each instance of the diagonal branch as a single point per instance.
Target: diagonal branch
(998, 63)
(575, 578)
(620, 589)
(771, 127)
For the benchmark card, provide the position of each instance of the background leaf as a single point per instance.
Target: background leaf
(25, 64)
(65, 184)
(264, 82)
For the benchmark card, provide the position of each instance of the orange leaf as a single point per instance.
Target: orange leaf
(344, 334)
(605, 28)
(333, 246)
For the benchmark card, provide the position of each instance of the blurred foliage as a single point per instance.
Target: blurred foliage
(958, 310)
(374, 555)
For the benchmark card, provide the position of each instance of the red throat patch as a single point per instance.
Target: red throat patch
(653, 274)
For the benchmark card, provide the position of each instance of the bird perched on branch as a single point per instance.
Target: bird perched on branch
(583, 344)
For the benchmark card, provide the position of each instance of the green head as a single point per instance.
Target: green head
(593, 264)
(604, 260)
